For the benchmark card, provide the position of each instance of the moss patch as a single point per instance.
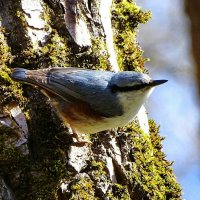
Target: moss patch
(82, 189)
(8, 153)
(119, 192)
(125, 18)
(9, 89)
(151, 172)
(95, 57)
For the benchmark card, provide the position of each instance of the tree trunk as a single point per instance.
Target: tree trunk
(37, 159)
(192, 9)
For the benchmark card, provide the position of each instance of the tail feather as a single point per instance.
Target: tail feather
(34, 77)
(19, 74)
(41, 79)
(37, 78)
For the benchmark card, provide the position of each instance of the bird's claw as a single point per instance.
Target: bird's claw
(81, 143)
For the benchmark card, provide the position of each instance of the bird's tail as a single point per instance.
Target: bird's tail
(38, 78)
(19, 74)
(33, 77)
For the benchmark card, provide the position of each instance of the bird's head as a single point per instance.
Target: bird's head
(133, 83)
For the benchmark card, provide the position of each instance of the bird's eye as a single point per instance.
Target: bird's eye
(115, 88)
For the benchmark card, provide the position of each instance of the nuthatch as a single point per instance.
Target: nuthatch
(91, 101)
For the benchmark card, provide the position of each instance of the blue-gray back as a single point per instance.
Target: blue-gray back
(88, 86)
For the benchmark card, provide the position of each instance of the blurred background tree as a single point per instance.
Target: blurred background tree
(192, 9)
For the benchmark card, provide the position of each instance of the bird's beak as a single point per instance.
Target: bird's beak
(157, 82)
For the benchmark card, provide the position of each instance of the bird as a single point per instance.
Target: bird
(90, 101)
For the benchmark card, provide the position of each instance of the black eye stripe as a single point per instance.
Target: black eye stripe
(115, 88)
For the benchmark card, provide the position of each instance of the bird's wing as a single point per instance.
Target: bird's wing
(77, 85)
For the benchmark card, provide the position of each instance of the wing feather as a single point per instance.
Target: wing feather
(77, 85)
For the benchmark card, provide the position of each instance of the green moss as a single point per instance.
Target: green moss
(119, 192)
(16, 33)
(8, 153)
(55, 52)
(151, 172)
(5, 54)
(55, 169)
(125, 18)
(98, 170)
(20, 15)
(95, 58)
(37, 184)
(151, 175)
(82, 189)
(98, 165)
(100, 52)
(9, 89)
(44, 145)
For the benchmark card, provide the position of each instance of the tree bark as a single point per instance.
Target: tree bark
(192, 9)
(37, 159)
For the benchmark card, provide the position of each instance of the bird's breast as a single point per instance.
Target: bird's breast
(83, 119)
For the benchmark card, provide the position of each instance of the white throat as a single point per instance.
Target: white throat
(132, 102)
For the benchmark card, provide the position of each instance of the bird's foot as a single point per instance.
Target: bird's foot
(79, 143)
